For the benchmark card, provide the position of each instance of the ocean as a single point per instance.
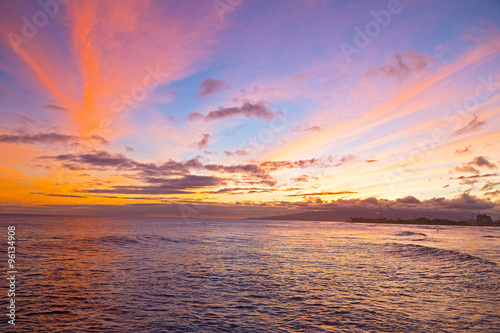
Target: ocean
(116, 274)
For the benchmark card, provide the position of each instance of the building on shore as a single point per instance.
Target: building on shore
(483, 219)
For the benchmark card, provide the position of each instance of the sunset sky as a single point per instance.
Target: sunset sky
(238, 108)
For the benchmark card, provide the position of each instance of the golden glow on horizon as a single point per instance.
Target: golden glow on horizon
(122, 89)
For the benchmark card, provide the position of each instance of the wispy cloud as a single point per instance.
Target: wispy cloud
(321, 193)
(345, 160)
(464, 151)
(403, 65)
(306, 128)
(46, 138)
(247, 110)
(239, 152)
(479, 161)
(409, 200)
(473, 125)
(59, 195)
(210, 86)
(204, 141)
(181, 185)
(56, 107)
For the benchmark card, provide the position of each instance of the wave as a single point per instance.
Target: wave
(427, 252)
(139, 240)
(410, 233)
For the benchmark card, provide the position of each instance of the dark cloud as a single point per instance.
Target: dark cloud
(468, 182)
(250, 174)
(477, 176)
(102, 159)
(240, 190)
(235, 129)
(248, 110)
(483, 161)
(204, 141)
(98, 138)
(466, 168)
(490, 186)
(464, 151)
(194, 116)
(371, 201)
(37, 138)
(47, 138)
(255, 174)
(463, 202)
(479, 161)
(371, 161)
(408, 200)
(403, 65)
(128, 148)
(345, 159)
(322, 193)
(163, 186)
(304, 178)
(277, 165)
(239, 152)
(473, 179)
(312, 129)
(210, 86)
(95, 159)
(459, 208)
(56, 107)
(302, 164)
(58, 195)
(473, 125)
(240, 168)
(493, 194)
(307, 128)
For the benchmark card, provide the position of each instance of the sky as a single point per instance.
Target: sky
(241, 108)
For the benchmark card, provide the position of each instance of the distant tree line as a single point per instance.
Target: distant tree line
(417, 220)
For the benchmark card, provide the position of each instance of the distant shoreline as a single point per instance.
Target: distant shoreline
(422, 221)
(416, 221)
(297, 217)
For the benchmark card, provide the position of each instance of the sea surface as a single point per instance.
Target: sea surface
(110, 274)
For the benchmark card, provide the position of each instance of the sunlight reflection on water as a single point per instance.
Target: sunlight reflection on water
(95, 274)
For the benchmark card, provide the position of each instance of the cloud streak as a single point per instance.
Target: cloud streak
(473, 125)
(472, 166)
(210, 86)
(46, 138)
(248, 110)
(204, 142)
(403, 64)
